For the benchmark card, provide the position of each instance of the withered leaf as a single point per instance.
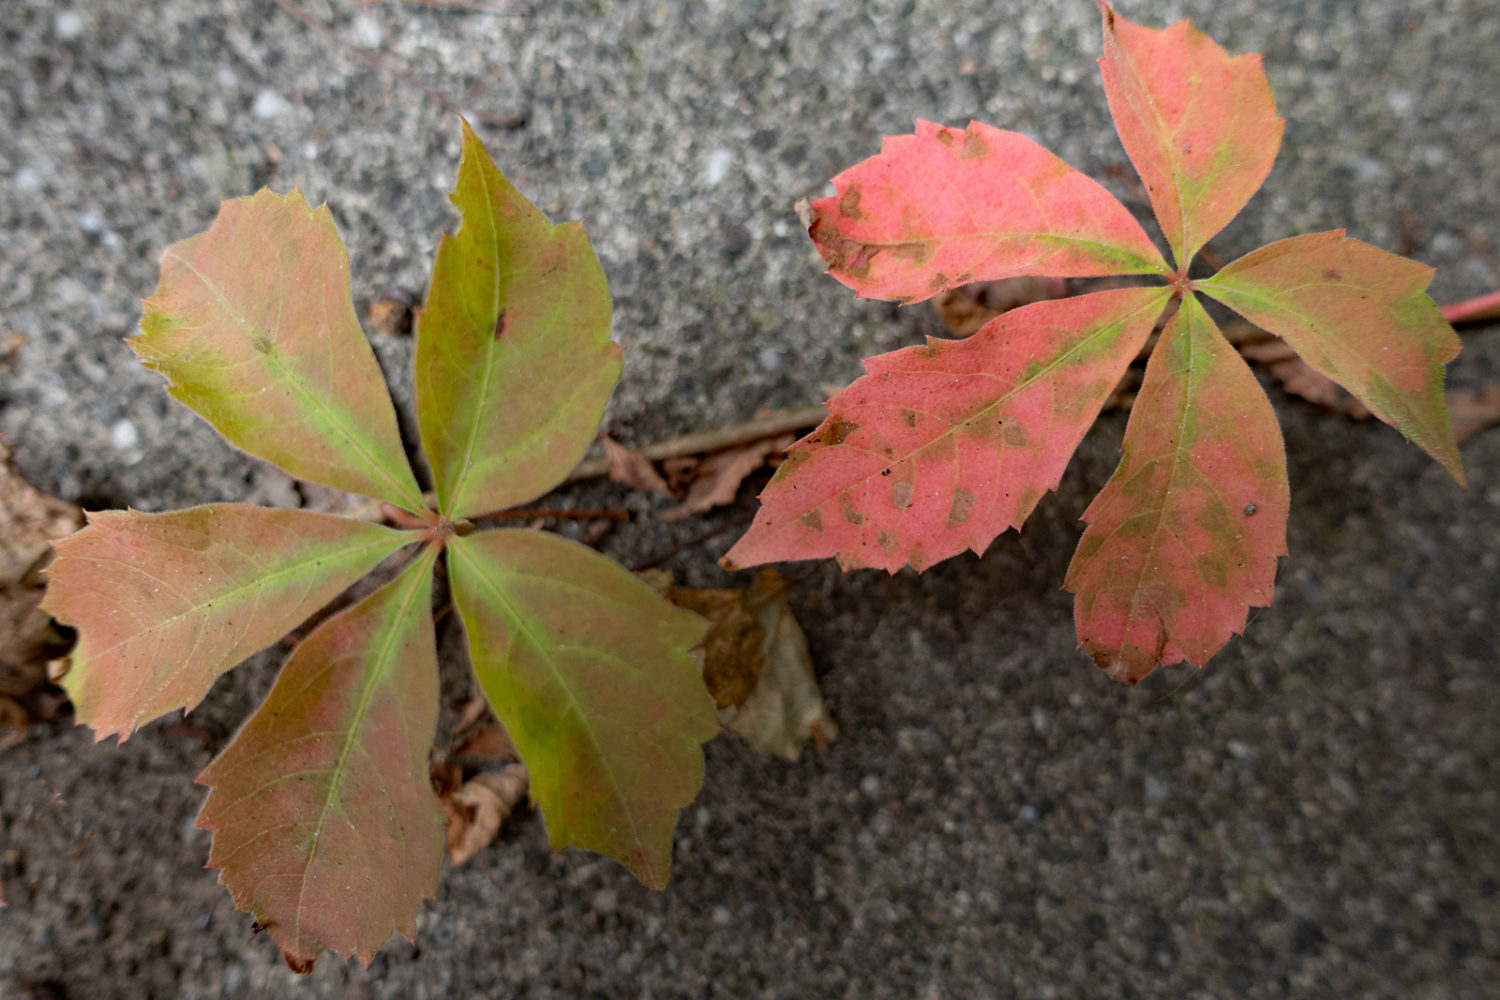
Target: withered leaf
(482, 805)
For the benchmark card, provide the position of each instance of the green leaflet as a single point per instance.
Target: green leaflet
(165, 603)
(325, 822)
(514, 361)
(1365, 321)
(254, 328)
(589, 670)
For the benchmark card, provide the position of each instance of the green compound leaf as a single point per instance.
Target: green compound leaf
(165, 603)
(1185, 535)
(514, 361)
(940, 448)
(1362, 317)
(589, 670)
(1200, 126)
(254, 328)
(944, 207)
(325, 823)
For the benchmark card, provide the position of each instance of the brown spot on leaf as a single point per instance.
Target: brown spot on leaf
(838, 430)
(938, 281)
(974, 147)
(916, 252)
(849, 203)
(901, 495)
(1015, 435)
(945, 136)
(918, 558)
(813, 519)
(909, 418)
(261, 344)
(500, 325)
(962, 506)
(1331, 274)
(886, 540)
(851, 515)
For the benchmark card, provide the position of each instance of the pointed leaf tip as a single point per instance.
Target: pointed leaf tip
(1360, 316)
(1199, 125)
(325, 823)
(253, 326)
(588, 669)
(1185, 535)
(944, 207)
(514, 361)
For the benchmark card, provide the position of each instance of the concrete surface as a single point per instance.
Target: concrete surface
(1313, 815)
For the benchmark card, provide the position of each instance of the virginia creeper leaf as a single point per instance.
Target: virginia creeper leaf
(254, 328)
(589, 670)
(1200, 126)
(165, 603)
(325, 823)
(940, 448)
(514, 361)
(1360, 316)
(944, 207)
(1186, 533)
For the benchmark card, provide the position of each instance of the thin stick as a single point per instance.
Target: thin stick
(714, 439)
(496, 121)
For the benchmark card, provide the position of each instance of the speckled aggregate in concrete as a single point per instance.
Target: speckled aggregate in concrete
(1312, 816)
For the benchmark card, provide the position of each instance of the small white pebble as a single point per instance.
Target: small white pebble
(27, 180)
(269, 104)
(123, 435)
(770, 358)
(68, 25)
(367, 31)
(722, 916)
(870, 785)
(716, 167)
(226, 78)
(90, 222)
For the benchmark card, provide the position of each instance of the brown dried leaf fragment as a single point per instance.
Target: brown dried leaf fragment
(29, 521)
(756, 663)
(632, 469)
(1300, 378)
(716, 480)
(482, 805)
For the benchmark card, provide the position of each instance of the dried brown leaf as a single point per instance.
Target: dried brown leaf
(631, 469)
(717, 478)
(756, 664)
(489, 740)
(29, 521)
(483, 805)
(1301, 379)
